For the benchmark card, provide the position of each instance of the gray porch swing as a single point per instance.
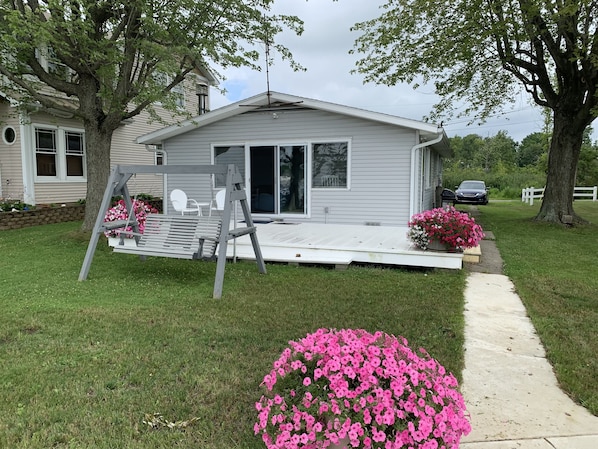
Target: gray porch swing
(177, 236)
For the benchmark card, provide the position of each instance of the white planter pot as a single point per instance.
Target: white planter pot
(114, 241)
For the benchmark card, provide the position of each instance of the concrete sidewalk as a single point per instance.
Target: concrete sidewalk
(509, 387)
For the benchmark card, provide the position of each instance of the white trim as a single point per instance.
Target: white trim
(27, 153)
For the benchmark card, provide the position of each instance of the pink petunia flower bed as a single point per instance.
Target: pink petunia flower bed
(360, 389)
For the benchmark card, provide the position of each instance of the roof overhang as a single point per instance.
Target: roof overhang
(277, 101)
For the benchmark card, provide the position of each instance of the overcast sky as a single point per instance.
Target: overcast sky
(323, 50)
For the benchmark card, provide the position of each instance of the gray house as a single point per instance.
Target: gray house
(306, 160)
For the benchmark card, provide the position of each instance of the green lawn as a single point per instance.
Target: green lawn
(555, 271)
(81, 363)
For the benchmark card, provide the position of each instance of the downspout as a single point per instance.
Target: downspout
(414, 150)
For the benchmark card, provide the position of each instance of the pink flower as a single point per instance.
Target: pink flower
(447, 225)
(371, 388)
(119, 212)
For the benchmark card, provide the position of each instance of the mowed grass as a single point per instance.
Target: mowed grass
(82, 363)
(555, 271)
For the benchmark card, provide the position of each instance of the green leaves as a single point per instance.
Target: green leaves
(120, 46)
(481, 52)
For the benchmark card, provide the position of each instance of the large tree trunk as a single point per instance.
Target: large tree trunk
(98, 143)
(565, 147)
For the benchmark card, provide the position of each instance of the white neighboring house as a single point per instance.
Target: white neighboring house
(306, 160)
(42, 152)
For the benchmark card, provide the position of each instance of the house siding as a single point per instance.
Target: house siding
(11, 174)
(18, 165)
(379, 160)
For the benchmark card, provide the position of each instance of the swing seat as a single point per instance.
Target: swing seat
(177, 236)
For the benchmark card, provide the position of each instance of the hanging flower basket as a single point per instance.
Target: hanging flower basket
(444, 228)
(119, 212)
(350, 388)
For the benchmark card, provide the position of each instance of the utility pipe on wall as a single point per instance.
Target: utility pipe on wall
(414, 150)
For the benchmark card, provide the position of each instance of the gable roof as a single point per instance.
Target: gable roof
(276, 101)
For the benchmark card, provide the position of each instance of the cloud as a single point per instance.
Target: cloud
(323, 50)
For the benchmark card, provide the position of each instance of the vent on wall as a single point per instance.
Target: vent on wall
(372, 223)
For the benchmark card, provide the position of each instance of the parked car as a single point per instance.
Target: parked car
(471, 192)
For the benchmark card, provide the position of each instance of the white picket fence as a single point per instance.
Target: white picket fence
(529, 194)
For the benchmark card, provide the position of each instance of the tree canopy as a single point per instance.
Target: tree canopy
(482, 53)
(111, 58)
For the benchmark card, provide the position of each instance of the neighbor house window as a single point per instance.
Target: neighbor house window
(59, 153)
(55, 67)
(74, 153)
(330, 165)
(159, 158)
(9, 135)
(176, 94)
(45, 151)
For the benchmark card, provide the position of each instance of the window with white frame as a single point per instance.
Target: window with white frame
(330, 164)
(49, 61)
(159, 156)
(59, 153)
(176, 94)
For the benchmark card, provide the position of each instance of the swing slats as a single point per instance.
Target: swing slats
(181, 237)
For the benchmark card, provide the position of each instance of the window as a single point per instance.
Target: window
(9, 135)
(59, 153)
(230, 154)
(330, 165)
(55, 67)
(74, 153)
(159, 157)
(45, 149)
(176, 96)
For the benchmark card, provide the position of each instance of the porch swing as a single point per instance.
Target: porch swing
(178, 236)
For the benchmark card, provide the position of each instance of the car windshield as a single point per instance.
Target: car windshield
(473, 185)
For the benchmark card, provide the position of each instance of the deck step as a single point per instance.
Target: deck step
(472, 255)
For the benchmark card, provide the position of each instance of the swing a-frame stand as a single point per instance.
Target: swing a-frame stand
(182, 237)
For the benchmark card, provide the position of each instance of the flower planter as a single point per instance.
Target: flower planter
(457, 230)
(435, 245)
(114, 241)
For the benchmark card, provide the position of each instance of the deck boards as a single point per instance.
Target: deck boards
(341, 245)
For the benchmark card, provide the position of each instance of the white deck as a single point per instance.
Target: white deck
(340, 245)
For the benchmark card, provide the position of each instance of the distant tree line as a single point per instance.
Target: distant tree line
(508, 166)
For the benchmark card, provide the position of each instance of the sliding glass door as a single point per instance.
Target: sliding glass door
(277, 174)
